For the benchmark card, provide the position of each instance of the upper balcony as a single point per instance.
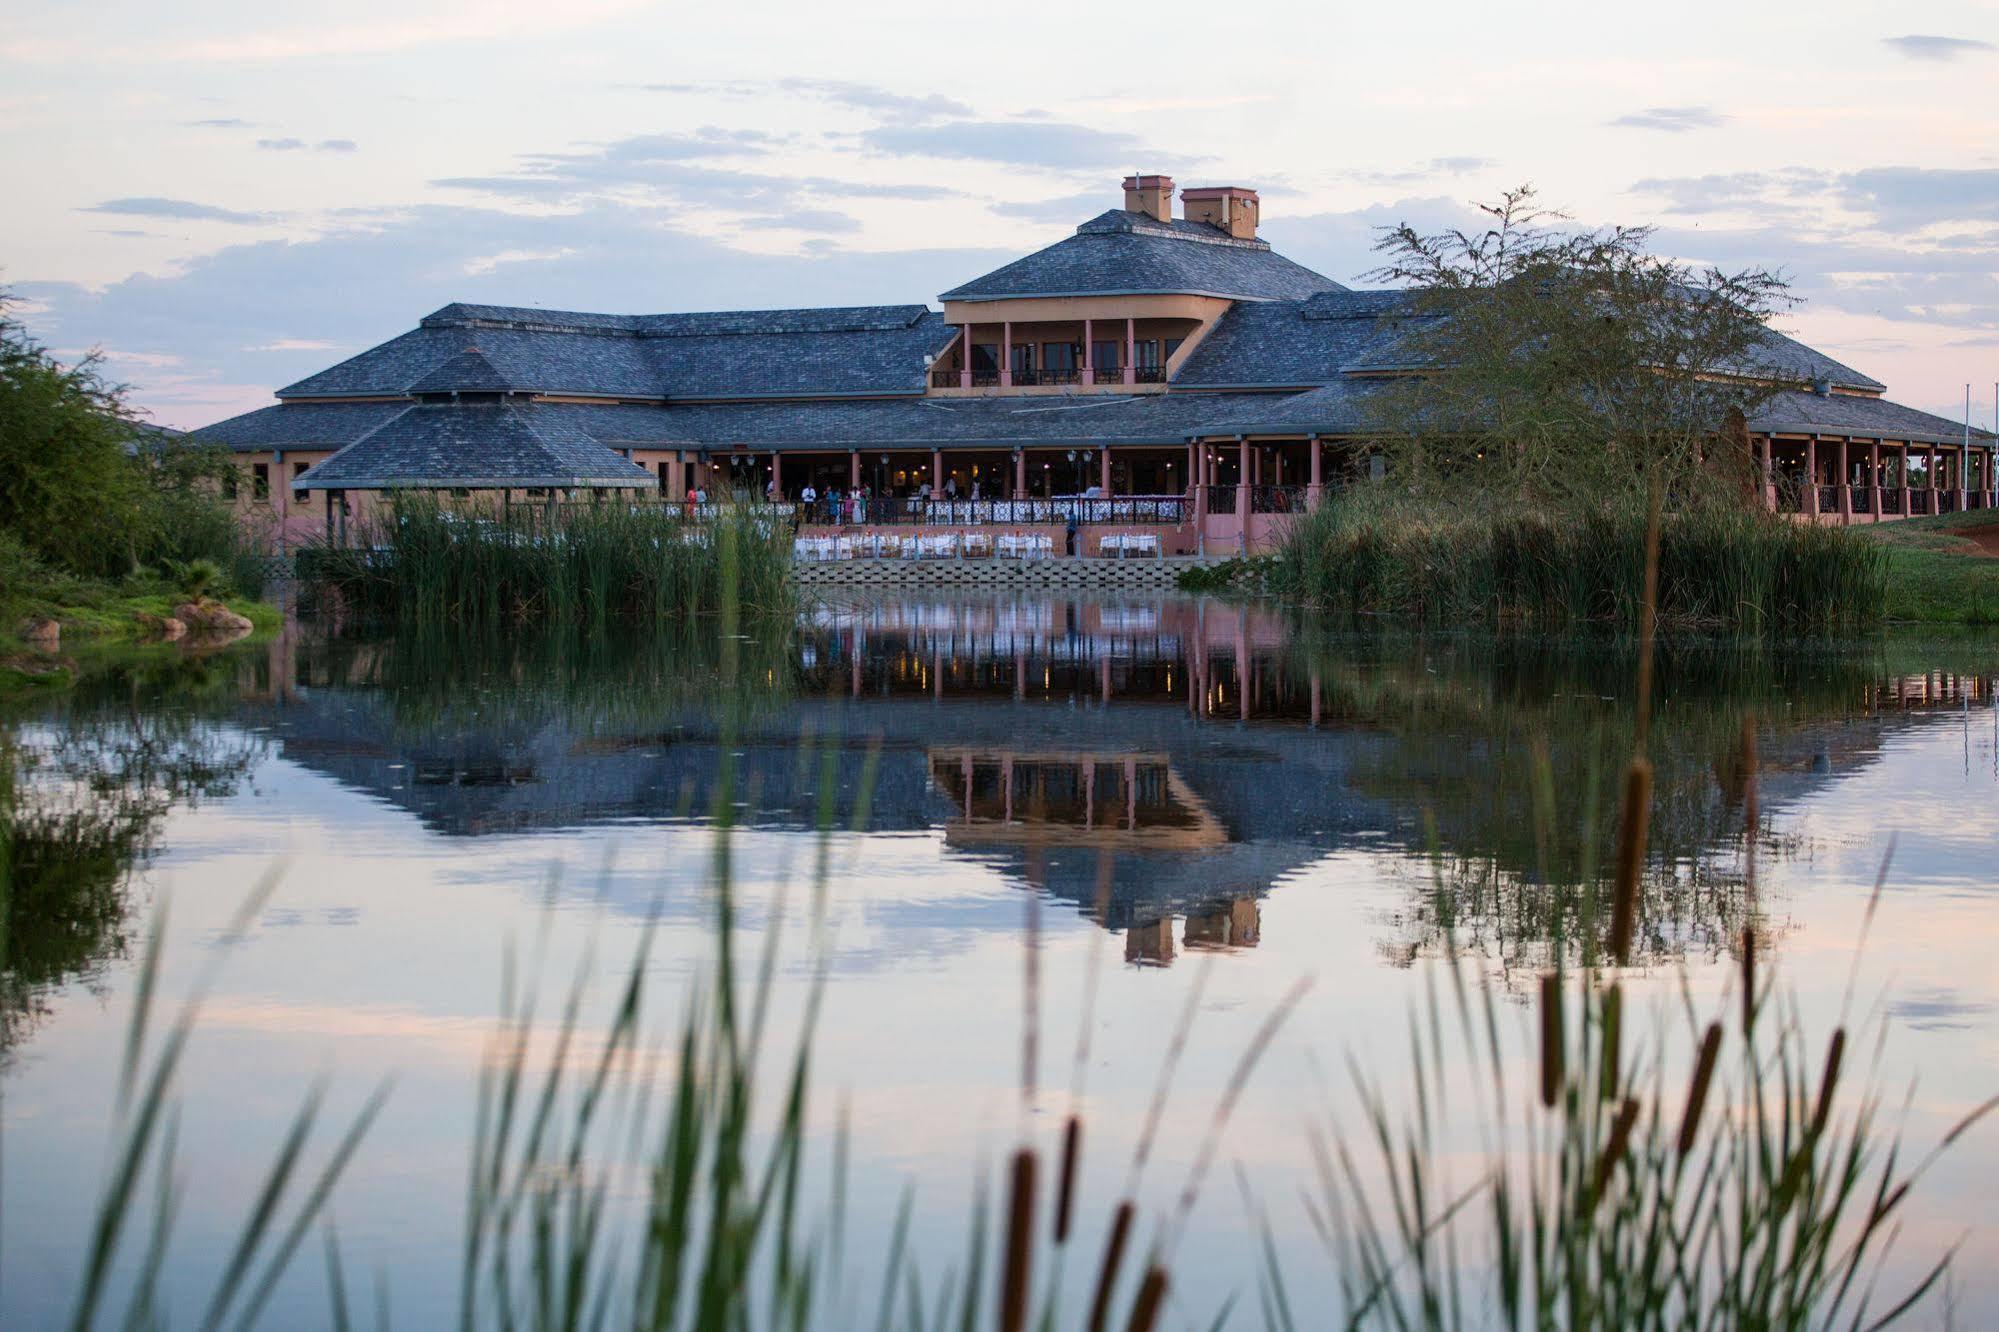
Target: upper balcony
(1064, 356)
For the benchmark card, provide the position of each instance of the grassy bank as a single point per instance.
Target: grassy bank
(431, 563)
(1935, 575)
(1719, 569)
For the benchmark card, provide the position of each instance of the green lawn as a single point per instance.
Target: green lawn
(1935, 577)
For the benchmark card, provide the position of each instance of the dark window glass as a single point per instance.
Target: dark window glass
(1173, 345)
(985, 358)
(260, 480)
(229, 484)
(1060, 355)
(1104, 356)
(1023, 358)
(1148, 354)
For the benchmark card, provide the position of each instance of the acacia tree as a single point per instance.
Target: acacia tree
(1541, 363)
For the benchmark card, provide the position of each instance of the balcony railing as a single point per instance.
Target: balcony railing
(1947, 501)
(1921, 502)
(1149, 374)
(906, 510)
(1891, 499)
(1276, 499)
(1222, 499)
(946, 378)
(1862, 498)
(1828, 499)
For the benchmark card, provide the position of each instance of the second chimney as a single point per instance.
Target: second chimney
(1151, 195)
(1230, 207)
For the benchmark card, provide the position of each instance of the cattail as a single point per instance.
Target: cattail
(1019, 1272)
(1113, 1258)
(1833, 1055)
(1613, 1151)
(1065, 1187)
(1631, 827)
(1151, 1297)
(1748, 979)
(1690, 1119)
(1551, 1039)
(1613, 1011)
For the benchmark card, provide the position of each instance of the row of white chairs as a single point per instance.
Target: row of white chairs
(941, 546)
(1124, 545)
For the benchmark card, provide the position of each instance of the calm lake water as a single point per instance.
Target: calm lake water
(1187, 796)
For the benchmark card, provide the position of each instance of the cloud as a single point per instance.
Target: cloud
(1731, 190)
(898, 108)
(1895, 198)
(1672, 119)
(377, 273)
(220, 122)
(1919, 46)
(1041, 143)
(1068, 208)
(125, 234)
(300, 145)
(1435, 167)
(824, 221)
(178, 209)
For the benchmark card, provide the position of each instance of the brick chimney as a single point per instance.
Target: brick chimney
(1230, 207)
(1151, 195)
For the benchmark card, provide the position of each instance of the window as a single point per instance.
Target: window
(662, 474)
(229, 484)
(298, 470)
(1172, 346)
(1060, 355)
(260, 481)
(1023, 358)
(985, 359)
(1104, 356)
(1148, 354)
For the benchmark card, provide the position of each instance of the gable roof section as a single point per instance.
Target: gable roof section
(475, 445)
(1289, 344)
(301, 425)
(861, 361)
(468, 371)
(1856, 417)
(1131, 254)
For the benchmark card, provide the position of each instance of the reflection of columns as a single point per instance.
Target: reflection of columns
(1089, 793)
(1104, 679)
(854, 666)
(1131, 793)
(1315, 700)
(965, 768)
(1019, 673)
(1006, 784)
(937, 673)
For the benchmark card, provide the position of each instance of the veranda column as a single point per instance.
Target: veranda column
(1130, 351)
(1242, 494)
(1769, 489)
(1006, 355)
(936, 473)
(1104, 470)
(853, 469)
(1089, 355)
(1019, 473)
(1812, 475)
(1312, 486)
(1845, 481)
(1874, 477)
(1902, 478)
(964, 360)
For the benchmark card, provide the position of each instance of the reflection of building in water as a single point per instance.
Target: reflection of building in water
(1189, 747)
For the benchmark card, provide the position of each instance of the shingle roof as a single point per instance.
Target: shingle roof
(1123, 253)
(318, 425)
(738, 354)
(1289, 344)
(477, 445)
(1858, 417)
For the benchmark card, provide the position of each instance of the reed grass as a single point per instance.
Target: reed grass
(1718, 568)
(429, 561)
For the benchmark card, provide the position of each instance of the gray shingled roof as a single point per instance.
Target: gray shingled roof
(318, 425)
(1128, 254)
(1865, 418)
(473, 445)
(1289, 344)
(735, 354)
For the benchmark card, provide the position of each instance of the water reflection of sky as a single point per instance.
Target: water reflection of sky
(1261, 818)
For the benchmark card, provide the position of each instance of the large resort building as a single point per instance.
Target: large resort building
(1179, 372)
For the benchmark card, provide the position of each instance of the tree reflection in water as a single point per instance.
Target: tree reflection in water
(85, 783)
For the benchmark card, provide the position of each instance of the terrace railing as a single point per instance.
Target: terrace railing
(906, 510)
(1222, 499)
(1922, 501)
(1947, 501)
(1149, 374)
(1828, 499)
(1276, 499)
(1891, 499)
(1862, 498)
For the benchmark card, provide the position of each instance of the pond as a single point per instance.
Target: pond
(1180, 804)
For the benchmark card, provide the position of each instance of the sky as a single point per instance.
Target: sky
(223, 197)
